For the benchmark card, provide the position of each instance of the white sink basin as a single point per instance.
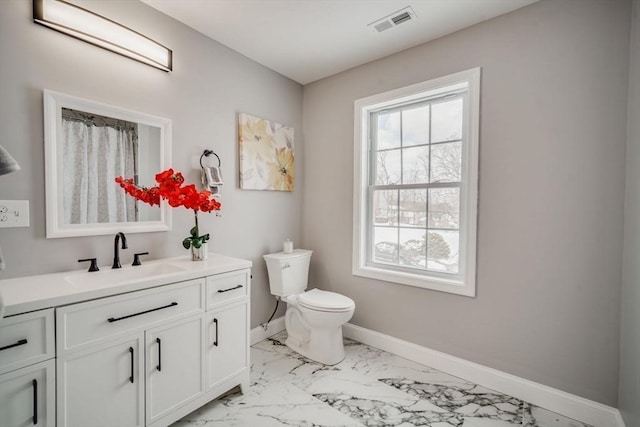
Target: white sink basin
(109, 276)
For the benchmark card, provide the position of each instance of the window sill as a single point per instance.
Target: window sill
(458, 287)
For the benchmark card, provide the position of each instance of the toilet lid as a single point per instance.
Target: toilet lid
(316, 299)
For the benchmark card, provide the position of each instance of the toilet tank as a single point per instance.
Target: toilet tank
(288, 273)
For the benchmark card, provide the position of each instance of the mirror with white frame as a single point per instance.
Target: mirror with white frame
(87, 145)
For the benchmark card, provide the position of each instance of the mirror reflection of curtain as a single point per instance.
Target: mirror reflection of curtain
(97, 149)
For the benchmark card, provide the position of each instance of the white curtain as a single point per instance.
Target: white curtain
(96, 150)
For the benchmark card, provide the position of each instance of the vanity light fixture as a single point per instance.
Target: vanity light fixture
(102, 32)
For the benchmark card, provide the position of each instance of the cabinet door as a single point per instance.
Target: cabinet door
(102, 386)
(175, 363)
(228, 342)
(27, 396)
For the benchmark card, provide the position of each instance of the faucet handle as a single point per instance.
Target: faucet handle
(94, 264)
(136, 258)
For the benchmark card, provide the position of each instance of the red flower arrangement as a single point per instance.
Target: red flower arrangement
(170, 187)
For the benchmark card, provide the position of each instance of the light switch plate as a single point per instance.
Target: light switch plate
(14, 213)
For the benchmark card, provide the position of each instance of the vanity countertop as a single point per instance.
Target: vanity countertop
(29, 293)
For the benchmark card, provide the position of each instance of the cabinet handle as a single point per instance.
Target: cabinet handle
(131, 354)
(35, 401)
(115, 319)
(230, 289)
(159, 367)
(20, 342)
(215, 343)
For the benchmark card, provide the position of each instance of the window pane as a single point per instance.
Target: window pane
(389, 130)
(413, 208)
(415, 165)
(442, 251)
(446, 162)
(385, 207)
(388, 167)
(385, 245)
(412, 247)
(415, 126)
(444, 208)
(446, 120)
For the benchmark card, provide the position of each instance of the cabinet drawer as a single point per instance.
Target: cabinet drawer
(26, 339)
(92, 321)
(227, 287)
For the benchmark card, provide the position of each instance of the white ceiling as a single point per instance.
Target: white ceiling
(307, 40)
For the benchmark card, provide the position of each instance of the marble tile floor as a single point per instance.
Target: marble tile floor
(369, 388)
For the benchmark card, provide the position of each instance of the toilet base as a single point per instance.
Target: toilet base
(314, 337)
(315, 334)
(325, 347)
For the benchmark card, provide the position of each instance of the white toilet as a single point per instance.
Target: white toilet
(314, 319)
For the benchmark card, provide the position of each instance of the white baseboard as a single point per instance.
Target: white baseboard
(259, 333)
(570, 405)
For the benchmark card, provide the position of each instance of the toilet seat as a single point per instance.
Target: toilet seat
(319, 300)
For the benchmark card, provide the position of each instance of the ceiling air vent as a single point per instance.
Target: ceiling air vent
(399, 19)
(393, 20)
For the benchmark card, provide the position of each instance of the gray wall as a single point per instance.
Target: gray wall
(629, 394)
(552, 147)
(210, 84)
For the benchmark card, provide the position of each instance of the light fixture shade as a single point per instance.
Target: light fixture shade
(7, 163)
(102, 32)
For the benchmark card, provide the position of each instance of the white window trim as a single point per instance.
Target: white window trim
(362, 109)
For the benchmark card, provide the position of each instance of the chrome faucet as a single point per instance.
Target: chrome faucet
(116, 250)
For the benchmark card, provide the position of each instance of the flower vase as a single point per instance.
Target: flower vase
(201, 253)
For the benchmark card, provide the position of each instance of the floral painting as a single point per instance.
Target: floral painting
(266, 154)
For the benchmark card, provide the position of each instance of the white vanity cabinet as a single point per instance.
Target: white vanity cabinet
(148, 358)
(27, 370)
(123, 348)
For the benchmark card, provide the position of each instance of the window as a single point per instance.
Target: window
(415, 186)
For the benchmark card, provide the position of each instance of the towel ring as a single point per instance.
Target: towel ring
(207, 153)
